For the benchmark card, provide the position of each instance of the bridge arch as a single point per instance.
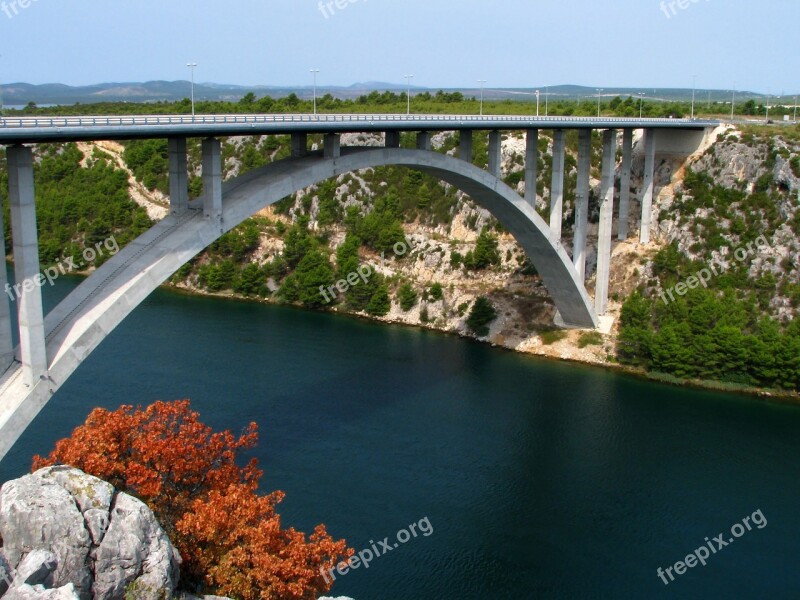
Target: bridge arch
(88, 315)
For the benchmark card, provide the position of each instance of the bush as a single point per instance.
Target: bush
(229, 537)
(406, 297)
(481, 315)
(552, 336)
(590, 338)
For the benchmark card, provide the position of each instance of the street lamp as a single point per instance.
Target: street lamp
(314, 73)
(767, 118)
(795, 109)
(598, 100)
(408, 93)
(641, 103)
(192, 67)
(733, 100)
(482, 82)
(537, 103)
(694, 87)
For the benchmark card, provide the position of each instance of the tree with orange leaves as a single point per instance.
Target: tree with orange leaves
(229, 537)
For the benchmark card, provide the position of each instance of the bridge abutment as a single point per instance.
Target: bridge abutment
(557, 185)
(625, 184)
(582, 201)
(531, 165)
(6, 339)
(178, 176)
(32, 351)
(606, 222)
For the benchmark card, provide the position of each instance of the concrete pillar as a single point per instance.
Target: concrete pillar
(32, 349)
(392, 139)
(178, 176)
(495, 152)
(625, 184)
(557, 185)
(582, 201)
(6, 344)
(531, 165)
(465, 145)
(648, 185)
(212, 179)
(606, 221)
(424, 140)
(333, 145)
(299, 145)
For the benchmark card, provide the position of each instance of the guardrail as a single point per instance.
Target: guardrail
(171, 120)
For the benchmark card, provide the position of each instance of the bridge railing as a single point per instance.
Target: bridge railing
(216, 120)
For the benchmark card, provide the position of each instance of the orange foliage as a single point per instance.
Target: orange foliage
(229, 537)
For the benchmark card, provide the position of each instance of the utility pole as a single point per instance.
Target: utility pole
(314, 73)
(482, 82)
(408, 93)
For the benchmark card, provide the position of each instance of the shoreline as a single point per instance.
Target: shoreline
(766, 395)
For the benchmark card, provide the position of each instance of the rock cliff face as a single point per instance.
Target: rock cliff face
(67, 534)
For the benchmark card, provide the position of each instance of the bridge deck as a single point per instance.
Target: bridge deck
(15, 130)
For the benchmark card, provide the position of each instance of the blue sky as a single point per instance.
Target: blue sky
(444, 43)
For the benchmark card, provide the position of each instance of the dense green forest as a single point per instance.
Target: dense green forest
(721, 330)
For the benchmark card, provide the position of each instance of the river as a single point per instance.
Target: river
(539, 479)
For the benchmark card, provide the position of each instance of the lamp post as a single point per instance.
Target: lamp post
(314, 73)
(408, 92)
(733, 100)
(694, 87)
(537, 103)
(598, 100)
(641, 103)
(482, 82)
(795, 109)
(192, 66)
(766, 120)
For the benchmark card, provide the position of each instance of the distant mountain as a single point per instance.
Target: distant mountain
(17, 94)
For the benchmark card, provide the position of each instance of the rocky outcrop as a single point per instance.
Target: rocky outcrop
(67, 534)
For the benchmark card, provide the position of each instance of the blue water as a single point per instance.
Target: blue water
(539, 479)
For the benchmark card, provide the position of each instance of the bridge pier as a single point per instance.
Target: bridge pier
(495, 152)
(212, 180)
(178, 176)
(32, 349)
(299, 145)
(6, 343)
(465, 145)
(557, 185)
(392, 139)
(582, 201)
(424, 140)
(606, 221)
(648, 185)
(625, 184)
(531, 165)
(332, 145)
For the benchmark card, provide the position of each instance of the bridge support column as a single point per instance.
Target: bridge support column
(178, 176)
(392, 139)
(212, 179)
(333, 145)
(582, 201)
(625, 184)
(424, 140)
(6, 294)
(531, 165)
(557, 185)
(299, 145)
(648, 185)
(495, 152)
(465, 145)
(606, 221)
(32, 349)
